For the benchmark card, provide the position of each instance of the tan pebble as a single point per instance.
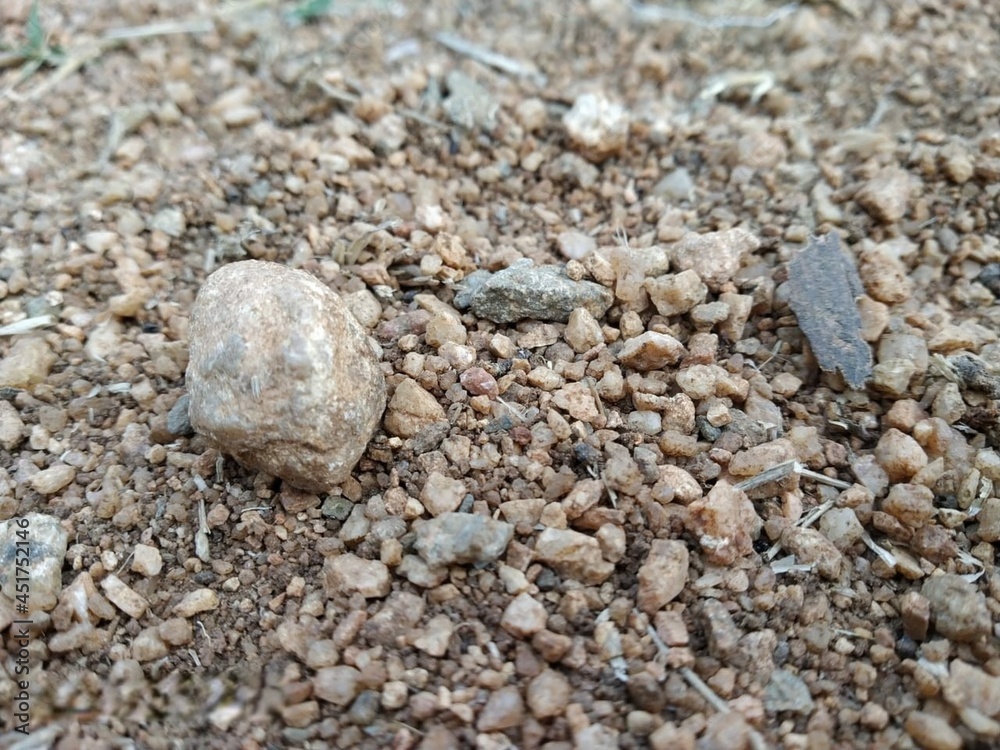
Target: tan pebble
(513, 580)
(573, 555)
(11, 426)
(501, 346)
(912, 504)
(345, 574)
(337, 685)
(433, 639)
(715, 256)
(725, 523)
(597, 127)
(27, 363)
(148, 645)
(699, 381)
(527, 510)
(893, 377)
(504, 709)
(548, 694)
(669, 736)
(676, 294)
(810, 547)
(300, 715)
(199, 600)
(583, 332)
(651, 351)
(53, 479)
(613, 542)
(146, 560)
(760, 150)
(524, 616)
(899, 455)
(958, 610)
(176, 631)
(932, 732)
(874, 318)
(411, 409)
(884, 276)
(785, 384)
(394, 694)
(445, 328)
(585, 494)
(261, 332)
(740, 306)
(956, 163)
(916, 614)
(969, 685)
(663, 575)
(81, 636)
(123, 597)
(887, 195)
(753, 461)
(442, 494)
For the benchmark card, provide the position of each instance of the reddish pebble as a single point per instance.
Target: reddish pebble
(478, 382)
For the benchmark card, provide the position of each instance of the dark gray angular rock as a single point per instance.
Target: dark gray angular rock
(538, 293)
(178, 419)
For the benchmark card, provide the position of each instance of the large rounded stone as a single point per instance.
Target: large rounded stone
(281, 375)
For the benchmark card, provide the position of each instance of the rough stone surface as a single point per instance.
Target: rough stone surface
(715, 256)
(281, 374)
(442, 494)
(179, 418)
(337, 685)
(547, 694)
(412, 409)
(199, 600)
(26, 364)
(46, 548)
(676, 294)
(932, 732)
(346, 574)
(651, 351)
(49, 481)
(597, 127)
(540, 293)
(725, 523)
(899, 455)
(663, 575)
(810, 547)
(886, 196)
(462, 538)
(504, 709)
(958, 610)
(787, 692)
(573, 555)
(146, 560)
(124, 597)
(11, 426)
(524, 616)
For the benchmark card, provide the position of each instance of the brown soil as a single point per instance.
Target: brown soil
(131, 168)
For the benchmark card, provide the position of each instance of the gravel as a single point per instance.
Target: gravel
(607, 496)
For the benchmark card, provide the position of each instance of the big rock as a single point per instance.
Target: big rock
(281, 375)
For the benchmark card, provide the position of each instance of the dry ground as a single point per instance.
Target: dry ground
(133, 165)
